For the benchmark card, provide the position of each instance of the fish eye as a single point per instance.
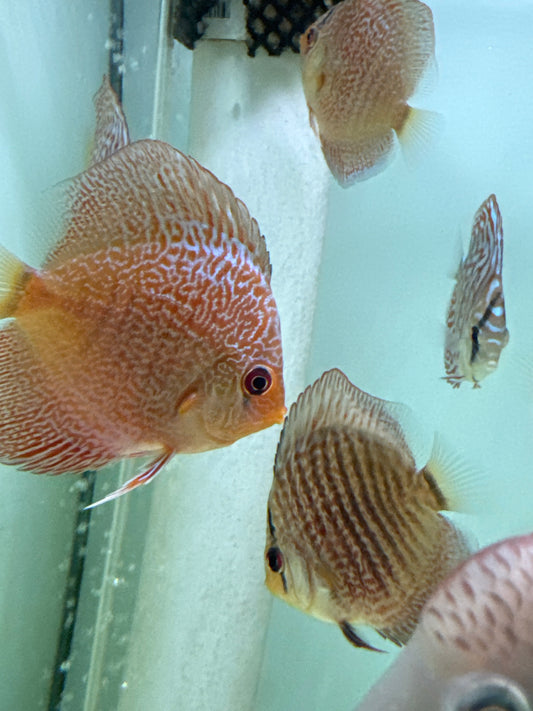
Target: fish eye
(485, 692)
(310, 37)
(258, 380)
(275, 559)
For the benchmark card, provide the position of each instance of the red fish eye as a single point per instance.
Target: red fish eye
(275, 559)
(257, 380)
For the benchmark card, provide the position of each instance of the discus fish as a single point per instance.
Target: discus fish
(362, 61)
(476, 331)
(150, 329)
(353, 532)
(475, 637)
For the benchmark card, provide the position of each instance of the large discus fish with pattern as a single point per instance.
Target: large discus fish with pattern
(150, 329)
(473, 648)
(354, 533)
(476, 327)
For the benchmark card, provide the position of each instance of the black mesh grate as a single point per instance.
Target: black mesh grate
(277, 25)
(186, 23)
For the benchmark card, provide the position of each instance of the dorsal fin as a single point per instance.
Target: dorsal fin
(486, 243)
(333, 401)
(146, 186)
(111, 133)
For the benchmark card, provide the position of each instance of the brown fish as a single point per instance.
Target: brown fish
(362, 61)
(151, 328)
(476, 325)
(354, 532)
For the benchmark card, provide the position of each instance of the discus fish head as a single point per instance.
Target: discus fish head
(299, 582)
(288, 578)
(314, 53)
(237, 397)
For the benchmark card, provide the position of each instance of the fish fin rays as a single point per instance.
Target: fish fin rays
(111, 131)
(145, 477)
(400, 634)
(13, 277)
(354, 161)
(458, 484)
(418, 133)
(37, 433)
(170, 188)
(333, 401)
(487, 235)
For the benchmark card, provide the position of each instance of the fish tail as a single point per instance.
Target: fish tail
(418, 131)
(13, 277)
(453, 484)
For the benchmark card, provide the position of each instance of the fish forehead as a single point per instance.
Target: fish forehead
(482, 615)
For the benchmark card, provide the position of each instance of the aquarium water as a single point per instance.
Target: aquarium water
(156, 600)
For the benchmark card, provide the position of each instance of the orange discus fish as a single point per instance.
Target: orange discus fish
(476, 325)
(151, 328)
(362, 61)
(354, 533)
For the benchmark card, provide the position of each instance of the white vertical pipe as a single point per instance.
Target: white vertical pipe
(202, 609)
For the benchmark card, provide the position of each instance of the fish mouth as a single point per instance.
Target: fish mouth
(280, 415)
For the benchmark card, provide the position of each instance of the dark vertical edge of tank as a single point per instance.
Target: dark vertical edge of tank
(116, 51)
(72, 592)
(87, 480)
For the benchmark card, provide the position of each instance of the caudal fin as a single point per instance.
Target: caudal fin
(419, 132)
(13, 277)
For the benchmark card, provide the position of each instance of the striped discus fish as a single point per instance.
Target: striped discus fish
(476, 331)
(354, 534)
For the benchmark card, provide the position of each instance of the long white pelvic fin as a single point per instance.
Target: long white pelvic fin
(144, 477)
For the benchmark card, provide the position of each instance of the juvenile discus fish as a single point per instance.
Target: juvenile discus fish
(476, 330)
(474, 640)
(150, 329)
(362, 61)
(354, 533)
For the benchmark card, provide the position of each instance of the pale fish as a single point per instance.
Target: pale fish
(361, 63)
(151, 328)
(473, 648)
(354, 534)
(476, 327)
